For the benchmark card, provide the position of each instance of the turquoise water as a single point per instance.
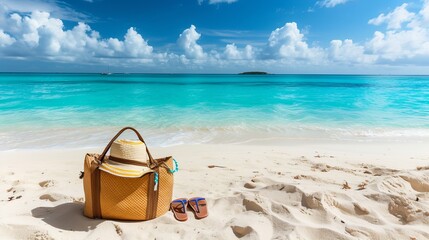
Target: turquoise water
(81, 109)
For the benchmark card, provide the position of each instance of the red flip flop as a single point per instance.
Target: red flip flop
(199, 206)
(178, 207)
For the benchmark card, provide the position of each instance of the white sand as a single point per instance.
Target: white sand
(293, 191)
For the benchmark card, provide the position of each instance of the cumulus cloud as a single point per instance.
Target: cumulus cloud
(39, 34)
(188, 42)
(399, 43)
(348, 52)
(232, 52)
(402, 44)
(394, 19)
(331, 3)
(5, 39)
(135, 45)
(288, 42)
(403, 38)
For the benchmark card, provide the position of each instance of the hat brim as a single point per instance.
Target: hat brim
(124, 170)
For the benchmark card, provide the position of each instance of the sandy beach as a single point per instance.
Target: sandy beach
(297, 120)
(301, 190)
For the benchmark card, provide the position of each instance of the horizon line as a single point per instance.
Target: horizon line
(238, 73)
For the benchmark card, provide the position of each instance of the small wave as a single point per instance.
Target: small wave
(390, 133)
(84, 137)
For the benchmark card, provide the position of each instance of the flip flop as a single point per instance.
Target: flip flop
(178, 207)
(199, 205)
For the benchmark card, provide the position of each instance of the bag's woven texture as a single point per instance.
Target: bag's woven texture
(126, 198)
(165, 188)
(122, 198)
(89, 159)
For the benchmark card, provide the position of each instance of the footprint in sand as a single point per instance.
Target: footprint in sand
(252, 205)
(419, 184)
(258, 182)
(54, 197)
(313, 200)
(48, 197)
(251, 225)
(47, 183)
(359, 210)
(250, 185)
(241, 231)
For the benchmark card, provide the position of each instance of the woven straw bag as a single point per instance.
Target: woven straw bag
(110, 196)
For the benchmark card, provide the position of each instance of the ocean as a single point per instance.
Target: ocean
(85, 110)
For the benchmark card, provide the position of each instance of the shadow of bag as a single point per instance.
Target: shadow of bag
(109, 196)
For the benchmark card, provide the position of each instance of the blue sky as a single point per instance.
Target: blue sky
(215, 36)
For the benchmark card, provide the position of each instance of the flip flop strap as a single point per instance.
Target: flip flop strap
(196, 200)
(183, 204)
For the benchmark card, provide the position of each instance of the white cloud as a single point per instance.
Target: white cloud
(331, 3)
(188, 42)
(5, 39)
(58, 9)
(408, 43)
(424, 12)
(232, 52)
(248, 52)
(41, 35)
(135, 45)
(348, 52)
(288, 42)
(403, 40)
(405, 44)
(394, 19)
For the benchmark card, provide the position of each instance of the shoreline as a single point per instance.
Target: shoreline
(89, 137)
(259, 192)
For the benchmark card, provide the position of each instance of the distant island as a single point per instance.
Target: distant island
(254, 73)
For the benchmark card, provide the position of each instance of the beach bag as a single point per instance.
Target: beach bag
(127, 189)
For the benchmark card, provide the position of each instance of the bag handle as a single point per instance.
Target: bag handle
(101, 157)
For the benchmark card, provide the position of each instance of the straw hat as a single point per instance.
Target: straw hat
(128, 158)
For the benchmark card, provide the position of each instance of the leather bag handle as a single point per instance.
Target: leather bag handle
(101, 157)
